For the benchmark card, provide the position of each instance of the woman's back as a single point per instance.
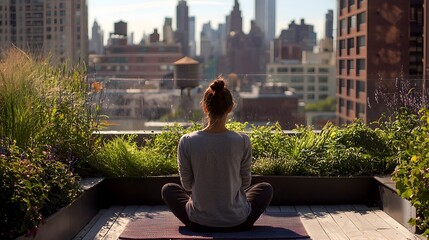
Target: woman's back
(216, 168)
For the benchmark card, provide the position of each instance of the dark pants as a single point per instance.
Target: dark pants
(259, 196)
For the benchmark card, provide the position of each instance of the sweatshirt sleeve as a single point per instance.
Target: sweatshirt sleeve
(184, 162)
(246, 163)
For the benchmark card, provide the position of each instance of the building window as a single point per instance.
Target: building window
(360, 88)
(350, 86)
(349, 107)
(340, 86)
(341, 66)
(323, 96)
(360, 109)
(360, 65)
(342, 46)
(310, 70)
(323, 79)
(350, 45)
(361, 19)
(310, 96)
(323, 88)
(351, 3)
(340, 105)
(323, 70)
(298, 70)
(343, 26)
(351, 23)
(311, 79)
(282, 70)
(350, 66)
(342, 4)
(297, 79)
(310, 88)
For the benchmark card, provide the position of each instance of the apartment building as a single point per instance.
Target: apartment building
(313, 78)
(377, 39)
(56, 27)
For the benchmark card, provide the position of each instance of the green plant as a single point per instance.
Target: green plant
(33, 186)
(412, 174)
(45, 104)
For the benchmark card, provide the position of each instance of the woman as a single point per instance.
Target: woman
(214, 169)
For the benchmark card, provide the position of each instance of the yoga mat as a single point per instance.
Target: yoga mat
(165, 225)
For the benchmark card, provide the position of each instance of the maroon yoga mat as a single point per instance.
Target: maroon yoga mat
(165, 225)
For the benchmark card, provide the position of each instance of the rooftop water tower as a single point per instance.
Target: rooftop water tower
(186, 74)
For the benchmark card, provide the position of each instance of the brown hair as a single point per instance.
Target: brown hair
(217, 99)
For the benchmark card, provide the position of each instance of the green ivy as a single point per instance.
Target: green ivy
(412, 173)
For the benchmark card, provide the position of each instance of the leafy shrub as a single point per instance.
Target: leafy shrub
(46, 104)
(354, 149)
(412, 174)
(33, 186)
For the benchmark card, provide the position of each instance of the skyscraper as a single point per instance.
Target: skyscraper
(192, 43)
(265, 18)
(58, 27)
(301, 34)
(96, 43)
(167, 31)
(377, 39)
(235, 20)
(182, 25)
(329, 24)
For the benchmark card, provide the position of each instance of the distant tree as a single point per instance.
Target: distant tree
(326, 105)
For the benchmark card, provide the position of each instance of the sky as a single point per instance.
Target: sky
(143, 16)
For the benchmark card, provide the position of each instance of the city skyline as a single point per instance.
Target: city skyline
(143, 16)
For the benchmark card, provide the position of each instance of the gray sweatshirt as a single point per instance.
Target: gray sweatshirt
(216, 168)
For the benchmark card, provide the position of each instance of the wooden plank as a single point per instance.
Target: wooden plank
(88, 227)
(344, 222)
(104, 223)
(371, 217)
(287, 209)
(121, 222)
(368, 230)
(311, 225)
(394, 224)
(328, 223)
(392, 234)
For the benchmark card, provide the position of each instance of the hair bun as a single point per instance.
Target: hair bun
(217, 85)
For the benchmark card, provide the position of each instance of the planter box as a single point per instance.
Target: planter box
(288, 190)
(391, 203)
(69, 220)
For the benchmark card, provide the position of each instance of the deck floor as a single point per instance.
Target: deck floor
(320, 221)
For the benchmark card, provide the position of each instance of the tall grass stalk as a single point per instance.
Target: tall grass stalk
(48, 104)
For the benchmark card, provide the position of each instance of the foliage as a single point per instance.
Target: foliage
(354, 149)
(122, 157)
(326, 105)
(33, 186)
(412, 173)
(46, 104)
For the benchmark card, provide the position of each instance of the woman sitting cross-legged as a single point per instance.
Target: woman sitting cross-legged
(215, 172)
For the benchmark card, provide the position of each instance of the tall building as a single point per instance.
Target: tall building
(192, 42)
(377, 39)
(329, 24)
(235, 19)
(302, 34)
(265, 18)
(96, 43)
(57, 27)
(182, 26)
(167, 31)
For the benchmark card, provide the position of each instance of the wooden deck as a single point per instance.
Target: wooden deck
(321, 222)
